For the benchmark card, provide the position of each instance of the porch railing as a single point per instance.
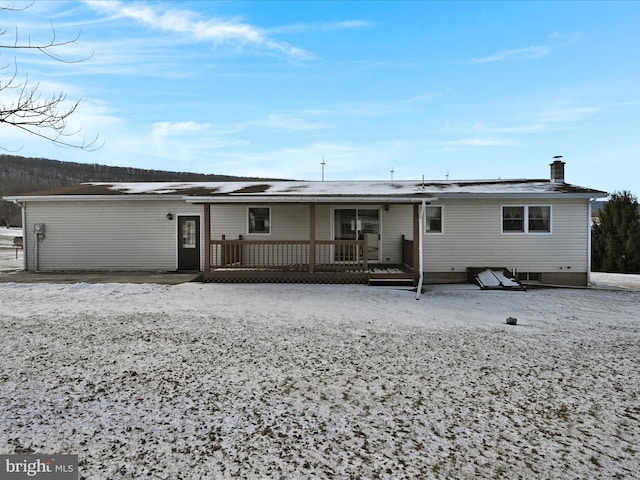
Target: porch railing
(289, 255)
(407, 252)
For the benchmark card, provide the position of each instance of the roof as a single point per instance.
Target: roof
(314, 191)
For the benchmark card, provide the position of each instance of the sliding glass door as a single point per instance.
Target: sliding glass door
(357, 224)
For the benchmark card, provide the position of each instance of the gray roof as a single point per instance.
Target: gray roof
(315, 191)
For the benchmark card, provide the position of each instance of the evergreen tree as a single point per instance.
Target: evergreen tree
(616, 237)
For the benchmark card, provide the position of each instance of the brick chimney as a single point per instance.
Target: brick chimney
(557, 170)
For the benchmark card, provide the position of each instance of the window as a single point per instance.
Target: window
(539, 219)
(513, 219)
(526, 219)
(530, 276)
(259, 220)
(433, 222)
(189, 234)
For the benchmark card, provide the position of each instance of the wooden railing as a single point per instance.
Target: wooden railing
(289, 255)
(407, 252)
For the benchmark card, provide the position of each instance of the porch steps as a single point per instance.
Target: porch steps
(391, 279)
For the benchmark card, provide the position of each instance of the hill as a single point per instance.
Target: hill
(23, 174)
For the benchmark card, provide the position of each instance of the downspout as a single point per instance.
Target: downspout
(589, 243)
(23, 207)
(420, 250)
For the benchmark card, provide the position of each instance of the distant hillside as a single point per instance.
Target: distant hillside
(22, 175)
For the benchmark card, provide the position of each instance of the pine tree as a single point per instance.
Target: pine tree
(616, 237)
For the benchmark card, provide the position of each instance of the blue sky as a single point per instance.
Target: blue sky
(464, 89)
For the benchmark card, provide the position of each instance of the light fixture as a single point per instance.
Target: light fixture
(169, 216)
(386, 208)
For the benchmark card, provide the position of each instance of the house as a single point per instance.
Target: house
(311, 231)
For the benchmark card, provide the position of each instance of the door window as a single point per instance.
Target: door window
(188, 234)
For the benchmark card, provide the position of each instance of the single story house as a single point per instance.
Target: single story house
(316, 231)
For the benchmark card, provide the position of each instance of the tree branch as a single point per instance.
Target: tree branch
(44, 118)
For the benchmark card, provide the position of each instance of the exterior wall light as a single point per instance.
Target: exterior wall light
(169, 216)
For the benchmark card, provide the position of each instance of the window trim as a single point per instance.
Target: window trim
(434, 232)
(249, 232)
(525, 220)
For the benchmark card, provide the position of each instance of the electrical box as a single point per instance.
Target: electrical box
(38, 228)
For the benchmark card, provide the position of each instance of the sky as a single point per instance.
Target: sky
(376, 90)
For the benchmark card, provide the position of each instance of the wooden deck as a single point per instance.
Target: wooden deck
(300, 261)
(376, 275)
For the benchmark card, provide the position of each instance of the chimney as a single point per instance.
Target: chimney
(557, 170)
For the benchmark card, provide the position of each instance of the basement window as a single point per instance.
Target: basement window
(530, 276)
(259, 220)
(526, 219)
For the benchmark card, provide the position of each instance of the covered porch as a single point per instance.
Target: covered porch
(309, 260)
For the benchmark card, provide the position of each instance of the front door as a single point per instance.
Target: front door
(189, 243)
(358, 224)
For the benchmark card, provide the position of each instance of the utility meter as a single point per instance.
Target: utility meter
(38, 228)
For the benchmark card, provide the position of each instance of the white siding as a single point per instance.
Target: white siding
(136, 235)
(288, 221)
(473, 238)
(107, 236)
(395, 223)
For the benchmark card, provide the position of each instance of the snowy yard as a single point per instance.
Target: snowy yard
(10, 260)
(295, 381)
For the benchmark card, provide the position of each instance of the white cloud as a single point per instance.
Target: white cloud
(478, 142)
(218, 31)
(283, 122)
(343, 161)
(161, 130)
(322, 27)
(561, 114)
(527, 53)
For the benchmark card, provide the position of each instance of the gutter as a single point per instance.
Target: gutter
(223, 198)
(527, 195)
(303, 199)
(85, 198)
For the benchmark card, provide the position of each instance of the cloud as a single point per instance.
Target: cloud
(562, 114)
(322, 27)
(527, 53)
(555, 40)
(162, 130)
(343, 161)
(218, 31)
(478, 142)
(283, 122)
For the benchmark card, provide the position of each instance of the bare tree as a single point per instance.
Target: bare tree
(21, 104)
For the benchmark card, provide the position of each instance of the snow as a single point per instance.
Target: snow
(7, 235)
(407, 188)
(495, 278)
(197, 381)
(10, 258)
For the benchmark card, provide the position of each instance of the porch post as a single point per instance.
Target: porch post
(312, 237)
(207, 237)
(416, 237)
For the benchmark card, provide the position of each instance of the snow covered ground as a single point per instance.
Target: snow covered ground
(10, 258)
(209, 381)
